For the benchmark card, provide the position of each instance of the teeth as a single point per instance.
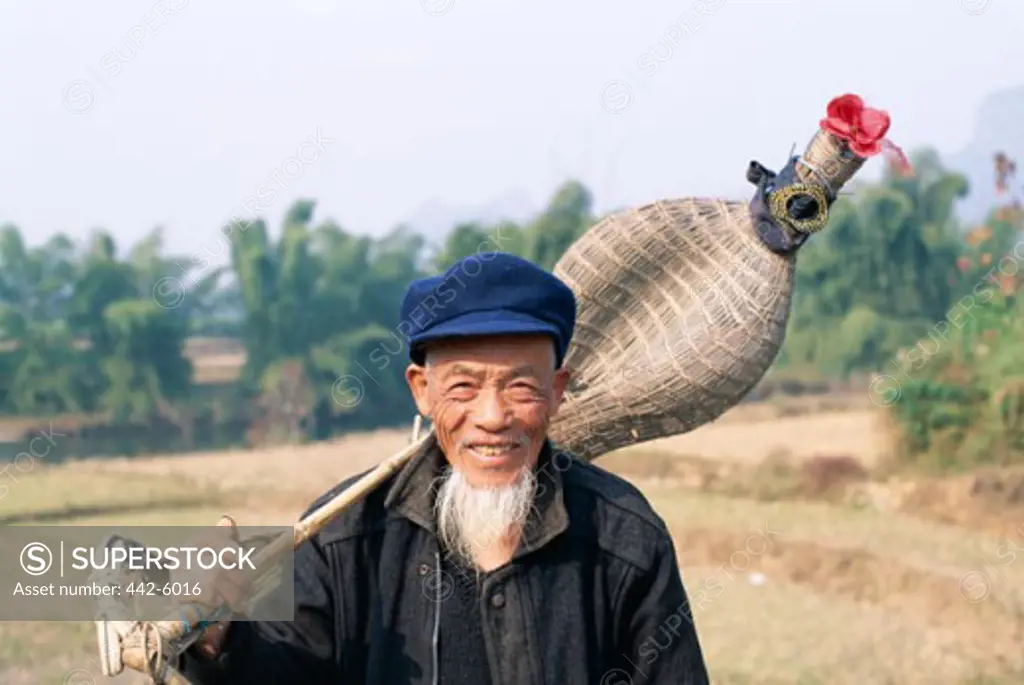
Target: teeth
(493, 450)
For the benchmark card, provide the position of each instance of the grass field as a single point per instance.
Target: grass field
(851, 578)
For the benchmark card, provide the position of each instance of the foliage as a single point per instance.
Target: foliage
(85, 329)
(879, 276)
(961, 399)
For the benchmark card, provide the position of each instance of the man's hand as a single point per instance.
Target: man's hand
(218, 587)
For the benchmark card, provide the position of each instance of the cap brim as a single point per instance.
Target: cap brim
(473, 324)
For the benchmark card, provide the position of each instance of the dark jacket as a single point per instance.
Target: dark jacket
(593, 596)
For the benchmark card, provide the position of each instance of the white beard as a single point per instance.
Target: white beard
(472, 520)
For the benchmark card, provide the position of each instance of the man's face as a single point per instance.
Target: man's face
(491, 400)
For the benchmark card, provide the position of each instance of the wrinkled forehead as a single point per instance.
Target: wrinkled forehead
(499, 353)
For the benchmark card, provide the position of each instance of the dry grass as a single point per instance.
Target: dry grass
(855, 589)
(851, 432)
(861, 642)
(282, 472)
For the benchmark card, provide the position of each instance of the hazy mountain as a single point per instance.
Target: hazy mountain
(999, 128)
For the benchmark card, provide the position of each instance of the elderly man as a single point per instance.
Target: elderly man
(492, 558)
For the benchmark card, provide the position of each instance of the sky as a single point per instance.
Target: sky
(128, 115)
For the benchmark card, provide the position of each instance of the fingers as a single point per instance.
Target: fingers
(230, 588)
(219, 587)
(211, 642)
(228, 522)
(225, 534)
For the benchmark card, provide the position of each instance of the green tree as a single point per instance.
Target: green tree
(564, 220)
(316, 305)
(880, 275)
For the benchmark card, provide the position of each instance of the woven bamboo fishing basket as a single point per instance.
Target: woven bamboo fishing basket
(683, 303)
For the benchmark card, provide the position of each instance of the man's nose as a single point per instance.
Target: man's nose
(492, 412)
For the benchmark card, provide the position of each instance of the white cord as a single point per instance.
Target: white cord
(417, 426)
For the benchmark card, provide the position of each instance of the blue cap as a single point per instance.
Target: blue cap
(490, 293)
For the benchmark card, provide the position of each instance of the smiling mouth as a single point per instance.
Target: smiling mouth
(494, 450)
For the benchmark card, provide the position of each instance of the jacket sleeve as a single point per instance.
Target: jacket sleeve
(659, 638)
(266, 652)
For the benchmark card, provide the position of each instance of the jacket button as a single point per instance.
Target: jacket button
(497, 600)
(424, 569)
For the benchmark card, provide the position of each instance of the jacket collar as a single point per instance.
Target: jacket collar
(412, 495)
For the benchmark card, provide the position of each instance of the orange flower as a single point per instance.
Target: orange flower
(979, 235)
(1007, 284)
(986, 259)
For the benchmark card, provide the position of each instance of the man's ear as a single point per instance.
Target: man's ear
(416, 377)
(561, 383)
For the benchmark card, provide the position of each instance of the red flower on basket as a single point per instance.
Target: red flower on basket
(963, 263)
(863, 128)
